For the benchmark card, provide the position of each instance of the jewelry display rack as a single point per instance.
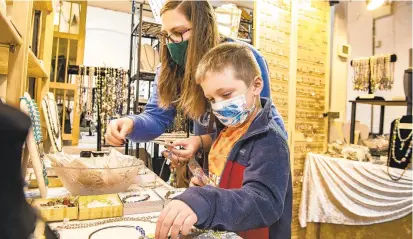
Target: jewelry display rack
(149, 30)
(75, 70)
(142, 29)
(393, 58)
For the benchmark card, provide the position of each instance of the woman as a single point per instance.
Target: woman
(189, 30)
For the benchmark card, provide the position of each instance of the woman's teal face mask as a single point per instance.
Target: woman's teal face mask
(178, 52)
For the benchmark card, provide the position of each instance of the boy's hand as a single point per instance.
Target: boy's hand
(175, 217)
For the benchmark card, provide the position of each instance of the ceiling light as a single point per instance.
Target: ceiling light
(374, 4)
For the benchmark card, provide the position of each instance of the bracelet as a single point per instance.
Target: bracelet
(201, 150)
(169, 193)
(138, 228)
(145, 197)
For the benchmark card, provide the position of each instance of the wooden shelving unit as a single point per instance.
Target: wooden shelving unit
(18, 63)
(43, 5)
(35, 68)
(9, 34)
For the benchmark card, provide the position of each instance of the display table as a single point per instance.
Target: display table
(147, 221)
(352, 195)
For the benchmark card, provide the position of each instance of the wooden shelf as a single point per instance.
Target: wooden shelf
(43, 5)
(381, 102)
(9, 33)
(4, 60)
(35, 69)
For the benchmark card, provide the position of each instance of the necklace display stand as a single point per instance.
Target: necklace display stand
(400, 146)
(34, 153)
(370, 95)
(51, 115)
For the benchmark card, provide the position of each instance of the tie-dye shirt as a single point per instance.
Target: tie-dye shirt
(221, 148)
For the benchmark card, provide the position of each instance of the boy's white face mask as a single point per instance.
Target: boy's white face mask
(233, 112)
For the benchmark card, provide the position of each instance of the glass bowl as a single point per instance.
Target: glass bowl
(94, 181)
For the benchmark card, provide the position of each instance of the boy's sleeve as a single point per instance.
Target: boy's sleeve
(258, 203)
(154, 120)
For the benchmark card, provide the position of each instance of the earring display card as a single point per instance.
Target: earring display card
(141, 201)
(273, 42)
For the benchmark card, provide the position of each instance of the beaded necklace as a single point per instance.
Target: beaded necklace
(37, 132)
(396, 132)
(54, 124)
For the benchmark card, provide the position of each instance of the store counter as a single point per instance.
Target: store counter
(354, 199)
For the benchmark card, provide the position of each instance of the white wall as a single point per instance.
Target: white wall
(395, 34)
(338, 83)
(108, 40)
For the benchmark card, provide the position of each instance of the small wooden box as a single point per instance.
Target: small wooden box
(113, 207)
(153, 204)
(168, 194)
(50, 214)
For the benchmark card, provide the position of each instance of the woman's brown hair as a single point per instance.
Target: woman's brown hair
(176, 85)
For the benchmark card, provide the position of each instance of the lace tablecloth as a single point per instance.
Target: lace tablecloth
(348, 192)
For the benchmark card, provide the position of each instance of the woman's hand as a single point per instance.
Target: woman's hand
(117, 130)
(187, 149)
(173, 163)
(176, 217)
(195, 182)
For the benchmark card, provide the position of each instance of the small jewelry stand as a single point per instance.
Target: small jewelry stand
(33, 152)
(370, 95)
(51, 115)
(400, 152)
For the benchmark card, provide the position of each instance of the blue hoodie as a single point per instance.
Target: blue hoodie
(254, 197)
(154, 121)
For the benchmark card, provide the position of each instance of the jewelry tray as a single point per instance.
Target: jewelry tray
(115, 209)
(51, 214)
(153, 204)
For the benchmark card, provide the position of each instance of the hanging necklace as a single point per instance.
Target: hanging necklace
(89, 93)
(80, 78)
(54, 126)
(403, 141)
(147, 59)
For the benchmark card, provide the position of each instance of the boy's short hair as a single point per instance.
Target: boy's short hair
(236, 55)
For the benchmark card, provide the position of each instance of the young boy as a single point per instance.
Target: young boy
(248, 163)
